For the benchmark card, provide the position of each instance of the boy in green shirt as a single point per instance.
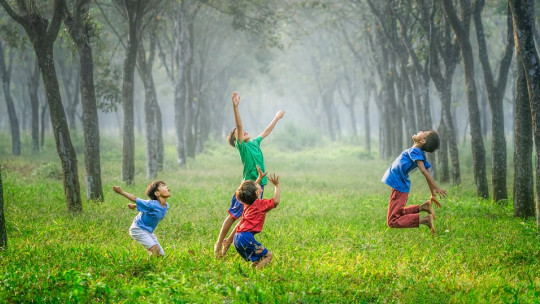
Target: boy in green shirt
(252, 156)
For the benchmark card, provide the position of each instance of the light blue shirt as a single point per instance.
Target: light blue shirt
(397, 176)
(151, 213)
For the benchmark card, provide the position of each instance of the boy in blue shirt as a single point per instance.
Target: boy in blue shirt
(151, 212)
(397, 177)
(252, 156)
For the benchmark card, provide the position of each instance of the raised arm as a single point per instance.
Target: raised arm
(274, 179)
(272, 124)
(129, 196)
(237, 119)
(433, 188)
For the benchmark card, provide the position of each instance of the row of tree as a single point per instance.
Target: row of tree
(355, 53)
(406, 66)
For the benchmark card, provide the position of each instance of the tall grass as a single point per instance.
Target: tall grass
(329, 236)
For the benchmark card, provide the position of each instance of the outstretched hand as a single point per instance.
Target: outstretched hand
(235, 99)
(117, 189)
(261, 174)
(274, 179)
(442, 194)
(279, 114)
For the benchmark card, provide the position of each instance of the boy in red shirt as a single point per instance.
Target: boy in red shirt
(255, 209)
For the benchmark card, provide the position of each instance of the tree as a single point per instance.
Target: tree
(5, 73)
(443, 59)
(3, 235)
(495, 91)
(81, 31)
(134, 10)
(152, 112)
(523, 21)
(461, 28)
(33, 86)
(523, 147)
(42, 34)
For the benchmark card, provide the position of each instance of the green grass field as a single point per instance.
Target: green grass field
(328, 236)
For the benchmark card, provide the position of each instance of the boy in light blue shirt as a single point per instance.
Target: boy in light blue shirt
(151, 212)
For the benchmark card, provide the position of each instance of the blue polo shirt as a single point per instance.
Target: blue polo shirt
(397, 176)
(151, 213)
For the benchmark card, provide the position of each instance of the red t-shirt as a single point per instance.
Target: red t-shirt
(254, 215)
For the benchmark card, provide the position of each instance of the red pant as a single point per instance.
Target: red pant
(400, 216)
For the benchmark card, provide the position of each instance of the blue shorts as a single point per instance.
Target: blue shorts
(248, 247)
(237, 207)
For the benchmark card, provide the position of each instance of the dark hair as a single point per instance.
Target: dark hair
(152, 188)
(232, 138)
(247, 192)
(432, 142)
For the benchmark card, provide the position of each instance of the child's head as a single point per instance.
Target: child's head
(248, 192)
(234, 135)
(429, 139)
(157, 188)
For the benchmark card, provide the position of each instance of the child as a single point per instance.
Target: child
(252, 156)
(255, 209)
(397, 177)
(151, 212)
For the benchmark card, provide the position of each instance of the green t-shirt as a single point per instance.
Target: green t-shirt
(251, 155)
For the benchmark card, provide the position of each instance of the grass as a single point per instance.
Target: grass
(329, 236)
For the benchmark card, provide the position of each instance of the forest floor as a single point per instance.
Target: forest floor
(328, 236)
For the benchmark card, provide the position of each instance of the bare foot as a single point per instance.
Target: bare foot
(427, 206)
(226, 244)
(217, 250)
(430, 224)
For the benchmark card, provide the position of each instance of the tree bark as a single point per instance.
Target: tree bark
(12, 114)
(3, 234)
(33, 86)
(461, 28)
(523, 148)
(523, 21)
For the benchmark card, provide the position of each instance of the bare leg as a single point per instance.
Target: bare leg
(427, 206)
(227, 223)
(227, 243)
(428, 221)
(263, 261)
(154, 251)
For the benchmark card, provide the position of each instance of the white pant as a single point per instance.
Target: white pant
(144, 237)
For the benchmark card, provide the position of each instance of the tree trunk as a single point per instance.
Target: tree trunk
(13, 121)
(159, 141)
(134, 16)
(495, 92)
(150, 106)
(33, 86)
(444, 175)
(61, 131)
(523, 21)
(523, 148)
(367, 126)
(81, 31)
(3, 234)
(94, 188)
(461, 29)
